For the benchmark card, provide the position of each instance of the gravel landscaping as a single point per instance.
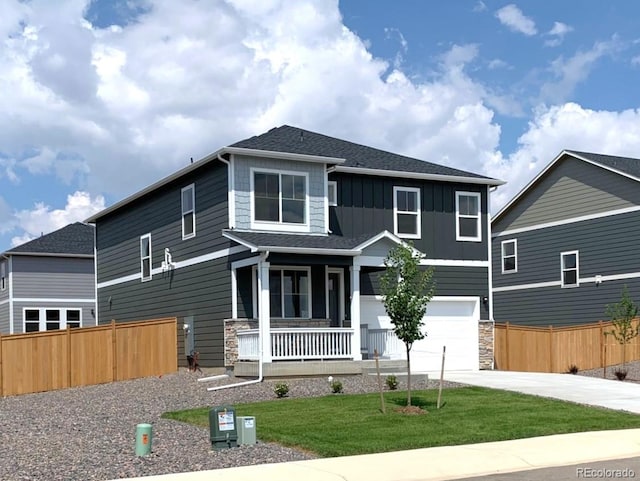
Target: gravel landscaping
(89, 433)
(632, 368)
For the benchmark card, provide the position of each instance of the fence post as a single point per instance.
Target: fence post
(550, 348)
(114, 349)
(506, 344)
(68, 336)
(602, 351)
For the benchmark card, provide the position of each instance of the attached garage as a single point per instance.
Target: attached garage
(449, 321)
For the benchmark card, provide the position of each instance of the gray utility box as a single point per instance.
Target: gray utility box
(246, 430)
(223, 431)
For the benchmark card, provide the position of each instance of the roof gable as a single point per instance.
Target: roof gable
(72, 240)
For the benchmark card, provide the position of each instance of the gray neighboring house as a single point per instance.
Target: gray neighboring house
(49, 282)
(567, 244)
(272, 248)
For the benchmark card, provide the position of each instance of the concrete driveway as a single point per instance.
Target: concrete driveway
(605, 393)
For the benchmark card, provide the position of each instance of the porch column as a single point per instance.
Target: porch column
(234, 293)
(264, 321)
(355, 311)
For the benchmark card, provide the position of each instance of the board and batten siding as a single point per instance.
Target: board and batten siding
(365, 206)
(242, 187)
(572, 188)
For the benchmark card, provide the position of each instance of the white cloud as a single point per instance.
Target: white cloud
(497, 63)
(512, 17)
(635, 60)
(404, 45)
(558, 31)
(480, 6)
(43, 219)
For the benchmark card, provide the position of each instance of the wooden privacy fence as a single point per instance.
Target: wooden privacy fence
(45, 361)
(555, 349)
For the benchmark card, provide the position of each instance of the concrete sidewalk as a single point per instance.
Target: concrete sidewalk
(431, 464)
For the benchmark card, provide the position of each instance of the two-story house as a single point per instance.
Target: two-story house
(566, 245)
(274, 246)
(49, 282)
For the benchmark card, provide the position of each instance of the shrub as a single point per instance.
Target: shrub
(392, 382)
(573, 369)
(336, 387)
(281, 389)
(621, 374)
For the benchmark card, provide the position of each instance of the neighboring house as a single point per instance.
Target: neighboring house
(566, 245)
(49, 282)
(284, 236)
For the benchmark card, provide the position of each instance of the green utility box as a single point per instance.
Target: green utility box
(247, 430)
(223, 431)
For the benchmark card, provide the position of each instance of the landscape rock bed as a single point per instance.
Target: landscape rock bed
(88, 433)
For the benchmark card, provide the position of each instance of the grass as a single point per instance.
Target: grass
(353, 424)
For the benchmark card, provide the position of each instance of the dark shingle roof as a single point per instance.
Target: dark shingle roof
(74, 239)
(626, 165)
(268, 239)
(300, 141)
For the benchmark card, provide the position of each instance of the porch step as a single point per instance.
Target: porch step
(387, 366)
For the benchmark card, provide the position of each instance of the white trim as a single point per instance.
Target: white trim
(356, 342)
(291, 250)
(6, 301)
(332, 202)
(489, 257)
(385, 234)
(515, 256)
(11, 315)
(192, 211)
(95, 277)
(249, 261)
(47, 254)
(417, 214)
(418, 175)
(459, 237)
(576, 268)
(234, 293)
(142, 258)
(231, 192)
(341, 303)
(4, 278)
(281, 269)
(52, 299)
(42, 320)
(377, 261)
(325, 203)
(279, 225)
(177, 265)
(535, 285)
(571, 220)
(272, 154)
(583, 280)
(254, 289)
(548, 167)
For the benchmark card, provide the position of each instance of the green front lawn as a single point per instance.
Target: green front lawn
(342, 424)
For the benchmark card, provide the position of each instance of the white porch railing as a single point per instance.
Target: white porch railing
(317, 343)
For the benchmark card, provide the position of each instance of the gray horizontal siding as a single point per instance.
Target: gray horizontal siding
(365, 206)
(4, 319)
(572, 188)
(160, 213)
(606, 246)
(53, 277)
(88, 318)
(561, 307)
(202, 291)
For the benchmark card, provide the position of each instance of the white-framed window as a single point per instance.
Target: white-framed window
(3, 276)
(145, 257)
(332, 192)
(188, 211)
(468, 216)
(509, 256)
(570, 269)
(406, 212)
(279, 200)
(50, 319)
(290, 292)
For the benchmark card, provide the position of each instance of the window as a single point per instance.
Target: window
(3, 276)
(406, 212)
(468, 216)
(570, 269)
(289, 293)
(47, 319)
(145, 257)
(509, 256)
(189, 212)
(332, 192)
(279, 198)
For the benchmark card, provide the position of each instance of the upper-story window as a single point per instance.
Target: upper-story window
(145, 257)
(468, 215)
(280, 200)
(406, 212)
(509, 256)
(189, 211)
(3, 276)
(332, 192)
(570, 269)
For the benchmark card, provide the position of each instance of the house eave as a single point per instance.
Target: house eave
(292, 250)
(47, 254)
(273, 154)
(419, 175)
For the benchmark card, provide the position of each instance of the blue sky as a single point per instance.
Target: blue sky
(102, 98)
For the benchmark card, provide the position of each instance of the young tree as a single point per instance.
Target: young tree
(407, 289)
(622, 314)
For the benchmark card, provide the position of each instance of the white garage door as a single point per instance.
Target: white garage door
(449, 321)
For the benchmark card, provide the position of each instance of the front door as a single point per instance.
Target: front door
(334, 298)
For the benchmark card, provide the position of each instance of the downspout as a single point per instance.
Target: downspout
(263, 257)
